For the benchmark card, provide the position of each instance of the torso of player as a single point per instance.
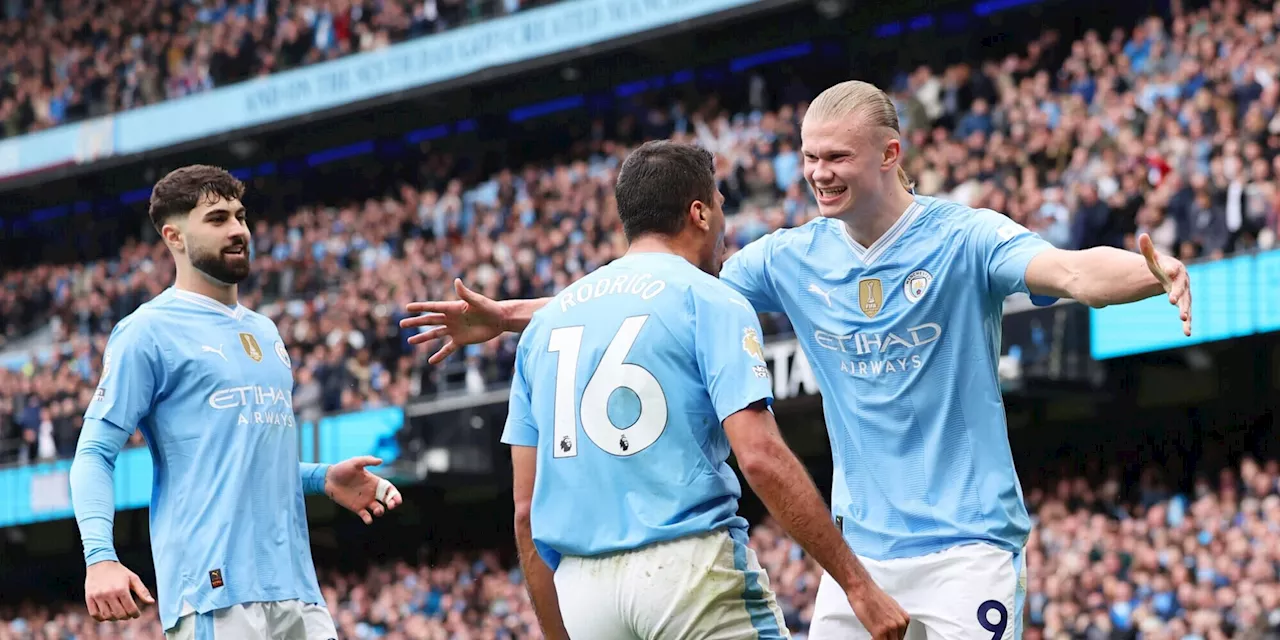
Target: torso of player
(628, 438)
(902, 336)
(235, 363)
(874, 318)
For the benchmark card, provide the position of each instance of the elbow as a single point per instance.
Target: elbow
(758, 463)
(1086, 298)
(1075, 285)
(523, 518)
(754, 469)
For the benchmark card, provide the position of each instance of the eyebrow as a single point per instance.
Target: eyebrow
(238, 211)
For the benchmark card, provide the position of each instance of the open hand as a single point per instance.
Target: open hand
(1172, 275)
(349, 484)
(471, 319)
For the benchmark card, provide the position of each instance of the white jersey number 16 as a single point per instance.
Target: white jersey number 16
(611, 374)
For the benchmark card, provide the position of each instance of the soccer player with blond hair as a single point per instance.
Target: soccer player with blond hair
(897, 300)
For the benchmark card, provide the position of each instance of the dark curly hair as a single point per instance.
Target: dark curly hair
(182, 190)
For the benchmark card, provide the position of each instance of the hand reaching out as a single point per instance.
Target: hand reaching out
(471, 319)
(1172, 275)
(349, 484)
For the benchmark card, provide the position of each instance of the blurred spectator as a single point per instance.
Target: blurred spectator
(67, 60)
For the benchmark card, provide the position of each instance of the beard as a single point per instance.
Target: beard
(223, 267)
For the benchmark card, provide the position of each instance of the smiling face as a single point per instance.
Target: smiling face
(851, 148)
(217, 239)
(842, 160)
(198, 212)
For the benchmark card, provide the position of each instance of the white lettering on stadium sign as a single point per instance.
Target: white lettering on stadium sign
(792, 376)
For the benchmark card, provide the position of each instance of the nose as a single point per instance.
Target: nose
(237, 229)
(819, 172)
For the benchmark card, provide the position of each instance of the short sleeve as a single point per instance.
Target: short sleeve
(747, 272)
(520, 430)
(1005, 248)
(131, 373)
(729, 350)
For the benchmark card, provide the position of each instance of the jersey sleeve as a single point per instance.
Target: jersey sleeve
(520, 430)
(729, 350)
(131, 373)
(1005, 248)
(747, 272)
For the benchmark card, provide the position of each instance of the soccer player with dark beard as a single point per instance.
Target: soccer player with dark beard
(189, 369)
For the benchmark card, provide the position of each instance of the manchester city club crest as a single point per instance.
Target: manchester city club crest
(917, 284)
(283, 354)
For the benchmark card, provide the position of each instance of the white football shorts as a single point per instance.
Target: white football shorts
(970, 592)
(286, 620)
(704, 587)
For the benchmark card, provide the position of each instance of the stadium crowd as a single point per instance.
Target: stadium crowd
(67, 60)
(1171, 129)
(1103, 563)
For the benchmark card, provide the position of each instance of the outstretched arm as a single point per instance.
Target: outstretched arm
(1104, 276)
(471, 319)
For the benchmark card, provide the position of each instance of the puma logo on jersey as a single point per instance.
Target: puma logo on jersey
(826, 295)
(218, 351)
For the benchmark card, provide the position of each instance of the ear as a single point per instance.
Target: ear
(892, 153)
(173, 236)
(699, 214)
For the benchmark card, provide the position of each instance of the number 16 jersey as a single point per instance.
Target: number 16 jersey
(622, 382)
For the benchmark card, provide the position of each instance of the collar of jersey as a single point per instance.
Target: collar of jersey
(869, 255)
(208, 303)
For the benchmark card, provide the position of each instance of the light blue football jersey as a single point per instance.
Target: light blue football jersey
(904, 338)
(622, 382)
(211, 388)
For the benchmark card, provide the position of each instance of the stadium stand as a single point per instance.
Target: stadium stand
(74, 59)
(1171, 127)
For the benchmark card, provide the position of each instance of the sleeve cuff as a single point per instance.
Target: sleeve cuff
(313, 477)
(100, 555)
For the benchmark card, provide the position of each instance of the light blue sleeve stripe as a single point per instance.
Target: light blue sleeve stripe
(204, 627)
(1019, 593)
(753, 595)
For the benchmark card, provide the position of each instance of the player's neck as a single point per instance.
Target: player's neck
(192, 280)
(873, 219)
(654, 244)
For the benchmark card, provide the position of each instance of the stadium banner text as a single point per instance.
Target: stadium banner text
(1230, 298)
(527, 35)
(42, 492)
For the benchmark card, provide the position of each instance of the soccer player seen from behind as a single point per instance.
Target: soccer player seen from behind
(630, 390)
(209, 383)
(896, 300)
